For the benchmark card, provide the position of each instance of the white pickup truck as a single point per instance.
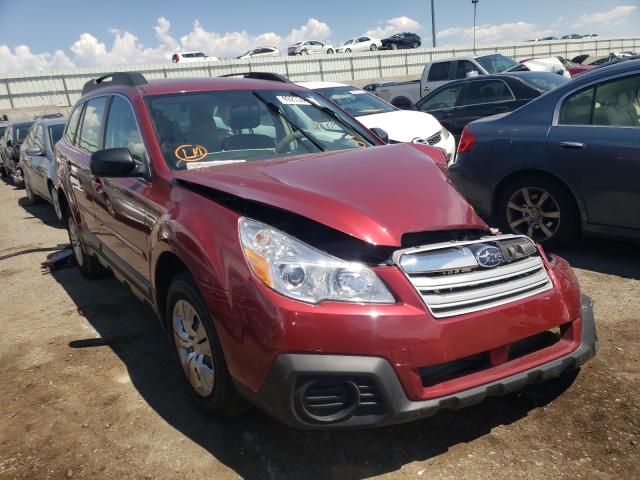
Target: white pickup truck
(405, 94)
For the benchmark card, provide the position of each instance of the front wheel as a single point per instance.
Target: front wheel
(198, 349)
(55, 201)
(348, 50)
(394, 46)
(540, 208)
(373, 47)
(330, 51)
(415, 45)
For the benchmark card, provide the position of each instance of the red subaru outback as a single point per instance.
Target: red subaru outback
(328, 282)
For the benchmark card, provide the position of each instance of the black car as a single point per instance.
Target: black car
(401, 40)
(10, 143)
(565, 163)
(457, 103)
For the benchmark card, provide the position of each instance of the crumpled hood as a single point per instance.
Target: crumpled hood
(375, 194)
(403, 125)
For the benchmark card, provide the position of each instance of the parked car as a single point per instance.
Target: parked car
(590, 35)
(360, 44)
(405, 94)
(573, 68)
(401, 126)
(38, 161)
(310, 47)
(3, 127)
(545, 39)
(564, 163)
(297, 268)
(401, 40)
(573, 36)
(10, 144)
(187, 57)
(458, 103)
(262, 52)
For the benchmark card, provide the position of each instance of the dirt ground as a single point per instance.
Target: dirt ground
(73, 405)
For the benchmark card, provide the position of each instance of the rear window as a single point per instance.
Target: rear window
(439, 71)
(92, 124)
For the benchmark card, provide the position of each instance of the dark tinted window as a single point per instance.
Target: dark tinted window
(464, 67)
(72, 125)
(92, 124)
(122, 130)
(576, 109)
(488, 91)
(439, 71)
(445, 98)
(55, 133)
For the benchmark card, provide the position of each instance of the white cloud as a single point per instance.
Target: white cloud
(516, 31)
(394, 25)
(614, 16)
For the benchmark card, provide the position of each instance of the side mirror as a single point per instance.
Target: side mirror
(34, 152)
(113, 162)
(384, 136)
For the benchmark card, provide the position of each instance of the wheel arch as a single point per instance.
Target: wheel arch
(401, 102)
(534, 171)
(167, 266)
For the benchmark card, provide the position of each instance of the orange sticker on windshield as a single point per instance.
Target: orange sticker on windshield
(190, 153)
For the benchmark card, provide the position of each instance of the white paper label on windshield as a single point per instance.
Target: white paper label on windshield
(292, 100)
(357, 92)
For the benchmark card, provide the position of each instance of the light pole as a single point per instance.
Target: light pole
(433, 24)
(475, 6)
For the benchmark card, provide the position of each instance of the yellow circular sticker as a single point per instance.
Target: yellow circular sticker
(190, 153)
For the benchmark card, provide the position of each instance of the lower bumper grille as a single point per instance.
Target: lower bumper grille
(434, 139)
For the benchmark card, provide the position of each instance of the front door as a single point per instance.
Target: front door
(595, 146)
(120, 203)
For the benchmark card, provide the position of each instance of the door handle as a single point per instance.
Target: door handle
(572, 145)
(97, 184)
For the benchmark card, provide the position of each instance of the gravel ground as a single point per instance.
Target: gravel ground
(90, 390)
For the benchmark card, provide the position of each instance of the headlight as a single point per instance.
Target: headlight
(445, 133)
(299, 271)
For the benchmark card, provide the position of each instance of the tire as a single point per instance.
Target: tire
(55, 201)
(552, 221)
(32, 198)
(330, 51)
(373, 47)
(89, 265)
(402, 103)
(415, 45)
(198, 351)
(394, 46)
(348, 50)
(304, 52)
(18, 184)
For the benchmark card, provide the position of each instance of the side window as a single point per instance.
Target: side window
(489, 91)
(576, 109)
(38, 137)
(72, 125)
(29, 139)
(439, 71)
(464, 67)
(122, 129)
(92, 124)
(445, 98)
(618, 102)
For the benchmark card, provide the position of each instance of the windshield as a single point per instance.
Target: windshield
(355, 101)
(217, 127)
(55, 133)
(496, 63)
(544, 81)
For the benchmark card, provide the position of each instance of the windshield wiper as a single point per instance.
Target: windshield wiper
(278, 111)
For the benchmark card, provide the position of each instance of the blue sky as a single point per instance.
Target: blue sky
(36, 34)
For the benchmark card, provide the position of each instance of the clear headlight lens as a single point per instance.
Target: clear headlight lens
(299, 271)
(444, 133)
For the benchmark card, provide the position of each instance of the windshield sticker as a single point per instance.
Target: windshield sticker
(357, 92)
(291, 100)
(190, 153)
(353, 139)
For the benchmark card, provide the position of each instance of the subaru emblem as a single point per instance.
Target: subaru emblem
(489, 256)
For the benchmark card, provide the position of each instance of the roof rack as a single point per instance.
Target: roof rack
(274, 77)
(130, 79)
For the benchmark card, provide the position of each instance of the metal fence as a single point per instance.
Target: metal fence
(63, 87)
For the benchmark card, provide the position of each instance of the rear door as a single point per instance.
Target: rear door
(442, 105)
(120, 203)
(438, 74)
(593, 145)
(482, 98)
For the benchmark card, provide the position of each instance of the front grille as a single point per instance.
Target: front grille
(452, 281)
(434, 139)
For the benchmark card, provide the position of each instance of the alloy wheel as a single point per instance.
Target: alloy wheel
(74, 238)
(533, 212)
(194, 347)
